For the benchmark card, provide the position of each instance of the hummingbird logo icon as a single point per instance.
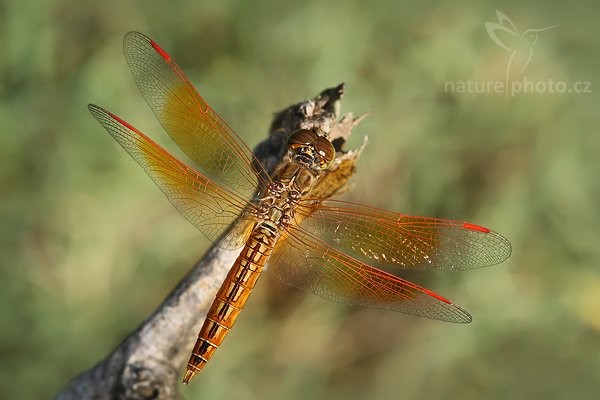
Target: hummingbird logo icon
(520, 44)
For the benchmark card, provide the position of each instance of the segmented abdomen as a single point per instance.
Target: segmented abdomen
(231, 297)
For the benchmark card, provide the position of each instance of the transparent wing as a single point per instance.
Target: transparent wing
(188, 119)
(305, 262)
(386, 238)
(207, 205)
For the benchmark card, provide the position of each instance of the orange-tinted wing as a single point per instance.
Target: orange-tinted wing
(386, 238)
(188, 119)
(305, 262)
(207, 205)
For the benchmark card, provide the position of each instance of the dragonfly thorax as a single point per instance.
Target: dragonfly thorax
(292, 180)
(278, 205)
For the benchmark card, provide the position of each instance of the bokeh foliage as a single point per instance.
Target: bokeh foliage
(90, 246)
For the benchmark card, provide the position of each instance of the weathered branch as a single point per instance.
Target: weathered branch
(149, 362)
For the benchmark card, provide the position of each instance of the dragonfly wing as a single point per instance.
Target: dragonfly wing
(196, 128)
(386, 238)
(207, 205)
(305, 262)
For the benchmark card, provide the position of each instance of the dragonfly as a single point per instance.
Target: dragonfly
(341, 251)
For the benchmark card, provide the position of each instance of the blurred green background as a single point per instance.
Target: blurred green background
(90, 246)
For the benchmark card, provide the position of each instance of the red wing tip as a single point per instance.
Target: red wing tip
(119, 120)
(459, 315)
(160, 51)
(437, 296)
(474, 227)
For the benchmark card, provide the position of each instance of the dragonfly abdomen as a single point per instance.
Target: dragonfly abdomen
(231, 297)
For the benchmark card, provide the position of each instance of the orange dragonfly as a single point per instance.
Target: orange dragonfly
(318, 245)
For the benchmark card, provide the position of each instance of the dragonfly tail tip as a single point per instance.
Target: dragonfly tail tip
(188, 376)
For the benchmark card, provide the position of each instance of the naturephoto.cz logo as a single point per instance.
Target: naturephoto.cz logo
(520, 48)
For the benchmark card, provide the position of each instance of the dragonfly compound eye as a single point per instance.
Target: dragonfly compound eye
(326, 152)
(301, 138)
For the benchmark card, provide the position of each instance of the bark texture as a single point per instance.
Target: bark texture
(149, 363)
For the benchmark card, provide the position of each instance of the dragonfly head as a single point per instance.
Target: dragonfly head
(308, 148)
